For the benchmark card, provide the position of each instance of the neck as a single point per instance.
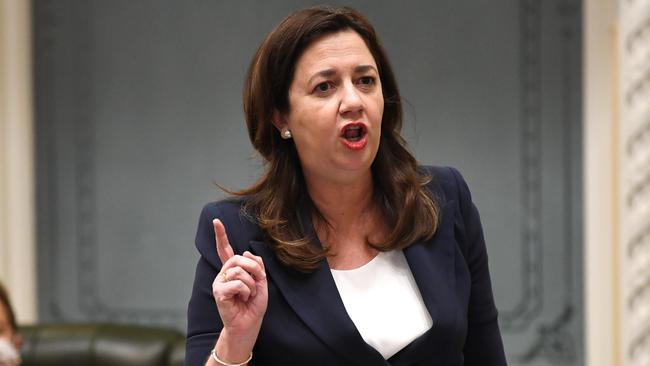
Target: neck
(342, 204)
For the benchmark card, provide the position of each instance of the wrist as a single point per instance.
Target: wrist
(234, 347)
(214, 356)
(247, 335)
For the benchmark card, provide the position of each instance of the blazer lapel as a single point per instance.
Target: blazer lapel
(433, 268)
(432, 265)
(316, 300)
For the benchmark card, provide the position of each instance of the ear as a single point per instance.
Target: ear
(278, 120)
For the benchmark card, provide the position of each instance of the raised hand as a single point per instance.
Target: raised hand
(241, 293)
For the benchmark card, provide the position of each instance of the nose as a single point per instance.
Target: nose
(351, 100)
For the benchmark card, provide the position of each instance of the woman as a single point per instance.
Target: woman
(10, 340)
(345, 252)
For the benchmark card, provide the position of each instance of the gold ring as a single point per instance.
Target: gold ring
(224, 275)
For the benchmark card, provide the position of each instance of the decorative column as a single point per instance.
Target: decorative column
(17, 213)
(634, 181)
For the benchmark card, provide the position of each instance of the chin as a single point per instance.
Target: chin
(358, 164)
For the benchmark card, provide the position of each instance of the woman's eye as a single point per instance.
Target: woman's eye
(367, 80)
(322, 87)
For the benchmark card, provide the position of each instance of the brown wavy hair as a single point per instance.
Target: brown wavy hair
(4, 302)
(279, 199)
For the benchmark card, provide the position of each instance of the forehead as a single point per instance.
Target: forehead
(337, 50)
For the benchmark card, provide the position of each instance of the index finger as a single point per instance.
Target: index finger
(224, 250)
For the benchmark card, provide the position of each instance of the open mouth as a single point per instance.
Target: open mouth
(354, 132)
(354, 136)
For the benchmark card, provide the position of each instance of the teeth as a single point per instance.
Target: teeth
(354, 128)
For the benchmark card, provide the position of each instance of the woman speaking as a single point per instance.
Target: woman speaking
(346, 251)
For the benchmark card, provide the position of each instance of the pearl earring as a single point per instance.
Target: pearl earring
(286, 134)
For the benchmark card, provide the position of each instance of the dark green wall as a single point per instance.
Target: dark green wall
(139, 112)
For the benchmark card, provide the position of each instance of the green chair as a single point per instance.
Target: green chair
(101, 345)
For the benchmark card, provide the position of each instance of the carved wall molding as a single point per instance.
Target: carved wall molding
(530, 305)
(554, 342)
(634, 178)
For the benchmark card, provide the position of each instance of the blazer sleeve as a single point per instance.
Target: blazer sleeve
(203, 321)
(483, 345)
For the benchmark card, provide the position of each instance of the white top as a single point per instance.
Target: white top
(384, 302)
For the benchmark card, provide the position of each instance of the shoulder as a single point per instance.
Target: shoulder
(223, 209)
(447, 184)
(240, 226)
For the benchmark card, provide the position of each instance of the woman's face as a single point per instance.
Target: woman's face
(336, 106)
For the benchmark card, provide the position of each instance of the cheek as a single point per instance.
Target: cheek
(378, 110)
(381, 109)
(314, 119)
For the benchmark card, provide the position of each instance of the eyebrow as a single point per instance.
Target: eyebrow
(330, 72)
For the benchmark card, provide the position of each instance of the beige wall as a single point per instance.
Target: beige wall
(599, 186)
(17, 229)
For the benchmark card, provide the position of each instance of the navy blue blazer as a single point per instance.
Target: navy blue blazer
(306, 322)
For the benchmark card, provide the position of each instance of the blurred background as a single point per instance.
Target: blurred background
(117, 118)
